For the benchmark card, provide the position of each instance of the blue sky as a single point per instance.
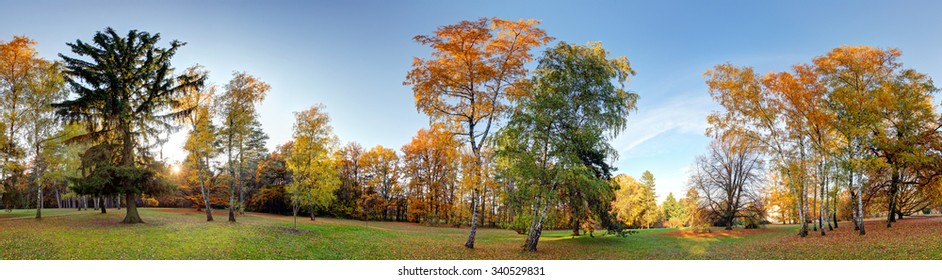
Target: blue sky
(352, 56)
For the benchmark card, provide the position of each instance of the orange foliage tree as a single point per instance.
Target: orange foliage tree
(383, 197)
(18, 62)
(855, 118)
(351, 181)
(476, 66)
(272, 176)
(429, 164)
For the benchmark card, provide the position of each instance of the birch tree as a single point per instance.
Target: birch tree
(45, 87)
(19, 62)
(201, 136)
(855, 77)
(558, 137)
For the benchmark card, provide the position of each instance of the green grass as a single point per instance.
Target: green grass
(183, 234)
(30, 213)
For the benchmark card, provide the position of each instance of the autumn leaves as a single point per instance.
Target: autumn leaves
(28, 84)
(853, 132)
(853, 124)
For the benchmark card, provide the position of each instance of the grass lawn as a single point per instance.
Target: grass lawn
(31, 213)
(183, 234)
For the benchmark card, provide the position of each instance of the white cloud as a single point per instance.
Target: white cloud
(684, 113)
(664, 137)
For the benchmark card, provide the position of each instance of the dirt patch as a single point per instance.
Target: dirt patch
(718, 232)
(4, 216)
(295, 231)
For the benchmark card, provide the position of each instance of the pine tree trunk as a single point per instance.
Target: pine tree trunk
(132, 216)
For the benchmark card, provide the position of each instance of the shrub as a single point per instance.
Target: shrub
(674, 223)
(619, 229)
(150, 202)
(750, 223)
(520, 224)
(926, 210)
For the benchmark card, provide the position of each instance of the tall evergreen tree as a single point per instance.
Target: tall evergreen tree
(126, 90)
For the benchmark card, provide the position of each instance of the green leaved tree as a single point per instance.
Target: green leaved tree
(557, 139)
